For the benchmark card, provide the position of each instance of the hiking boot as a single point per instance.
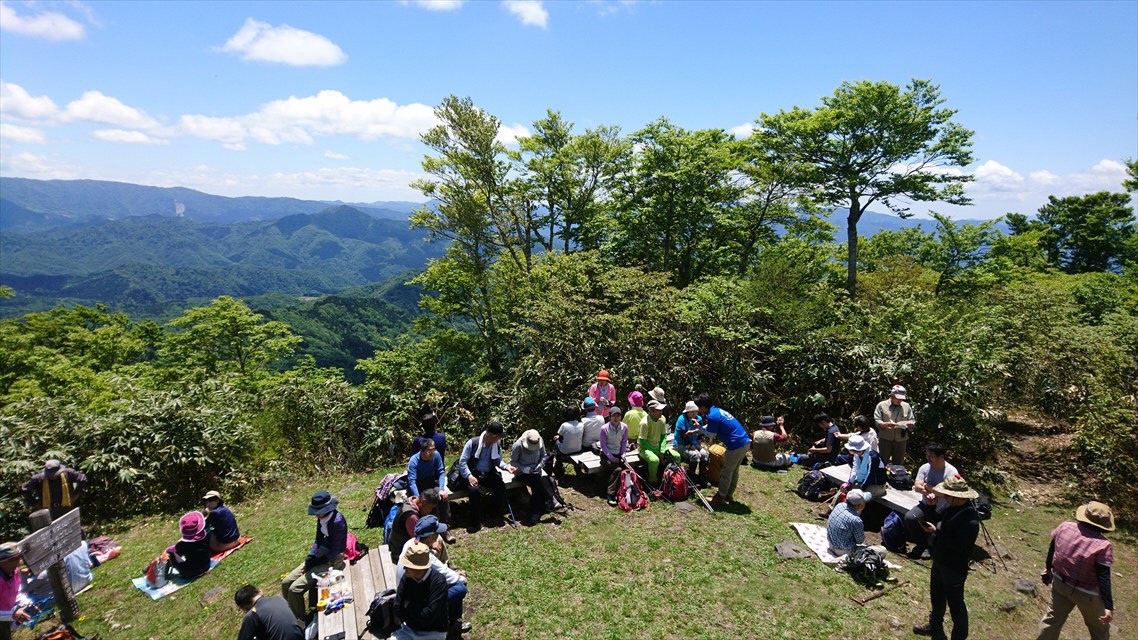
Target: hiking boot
(928, 630)
(917, 551)
(612, 501)
(474, 527)
(718, 501)
(449, 538)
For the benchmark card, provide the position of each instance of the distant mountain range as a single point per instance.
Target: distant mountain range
(36, 205)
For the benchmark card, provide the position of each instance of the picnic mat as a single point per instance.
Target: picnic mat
(815, 538)
(177, 582)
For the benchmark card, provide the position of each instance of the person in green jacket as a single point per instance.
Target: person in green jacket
(653, 434)
(635, 416)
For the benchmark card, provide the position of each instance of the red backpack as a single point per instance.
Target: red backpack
(631, 494)
(674, 485)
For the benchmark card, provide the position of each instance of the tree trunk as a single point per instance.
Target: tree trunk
(851, 244)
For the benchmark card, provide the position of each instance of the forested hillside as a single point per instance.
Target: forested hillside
(671, 257)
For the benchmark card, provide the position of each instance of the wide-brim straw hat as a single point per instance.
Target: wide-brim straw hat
(1096, 514)
(957, 487)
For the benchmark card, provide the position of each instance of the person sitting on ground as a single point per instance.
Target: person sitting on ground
(931, 507)
(687, 444)
(653, 442)
(614, 446)
(1078, 570)
(420, 597)
(845, 529)
(481, 465)
(429, 423)
(603, 393)
(190, 555)
(568, 438)
(733, 434)
(867, 472)
(591, 425)
(863, 426)
(635, 417)
(221, 523)
(56, 488)
(895, 420)
(765, 441)
(425, 471)
(824, 453)
(10, 614)
(428, 531)
(326, 552)
(403, 527)
(266, 617)
(528, 456)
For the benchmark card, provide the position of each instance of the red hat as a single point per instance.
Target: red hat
(603, 376)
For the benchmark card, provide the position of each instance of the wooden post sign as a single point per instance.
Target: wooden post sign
(46, 548)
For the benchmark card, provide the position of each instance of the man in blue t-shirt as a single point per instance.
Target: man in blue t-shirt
(430, 423)
(734, 437)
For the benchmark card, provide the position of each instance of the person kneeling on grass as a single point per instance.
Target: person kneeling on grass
(221, 523)
(845, 530)
(421, 597)
(266, 617)
(428, 531)
(326, 552)
(190, 555)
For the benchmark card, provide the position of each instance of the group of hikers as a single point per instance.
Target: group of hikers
(430, 592)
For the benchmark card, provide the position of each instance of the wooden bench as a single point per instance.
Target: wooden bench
(370, 575)
(895, 499)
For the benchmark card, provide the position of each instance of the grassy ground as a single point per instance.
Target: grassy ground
(602, 573)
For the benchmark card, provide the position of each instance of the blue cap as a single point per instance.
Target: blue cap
(429, 525)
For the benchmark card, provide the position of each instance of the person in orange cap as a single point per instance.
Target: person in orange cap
(603, 393)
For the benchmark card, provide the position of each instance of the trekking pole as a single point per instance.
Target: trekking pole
(695, 490)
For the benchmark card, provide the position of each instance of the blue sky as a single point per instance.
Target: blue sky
(326, 101)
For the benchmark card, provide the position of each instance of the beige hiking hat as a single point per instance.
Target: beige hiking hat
(957, 487)
(1096, 514)
(416, 556)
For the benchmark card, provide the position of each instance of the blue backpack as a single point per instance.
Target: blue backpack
(390, 520)
(893, 533)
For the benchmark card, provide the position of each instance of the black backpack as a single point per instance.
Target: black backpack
(898, 477)
(381, 620)
(866, 566)
(815, 487)
(983, 506)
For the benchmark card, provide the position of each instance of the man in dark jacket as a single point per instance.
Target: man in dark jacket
(57, 488)
(327, 552)
(421, 597)
(952, 542)
(266, 617)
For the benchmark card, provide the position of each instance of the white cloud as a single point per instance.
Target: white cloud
(1043, 177)
(24, 135)
(436, 5)
(227, 131)
(334, 155)
(284, 44)
(996, 177)
(95, 107)
(31, 165)
(742, 131)
(610, 7)
(509, 134)
(49, 25)
(127, 137)
(15, 102)
(530, 12)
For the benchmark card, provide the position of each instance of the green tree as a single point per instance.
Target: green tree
(771, 196)
(959, 251)
(1088, 233)
(872, 142)
(679, 182)
(226, 337)
(1131, 181)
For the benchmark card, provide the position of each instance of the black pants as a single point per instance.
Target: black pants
(490, 482)
(946, 586)
(913, 517)
(613, 470)
(539, 494)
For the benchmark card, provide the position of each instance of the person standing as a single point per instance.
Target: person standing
(931, 506)
(266, 618)
(481, 465)
(430, 423)
(56, 488)
(1078, 570)
(895, 419)
(733, 435)
(327, 552)
(603, 393)
(954, 538)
